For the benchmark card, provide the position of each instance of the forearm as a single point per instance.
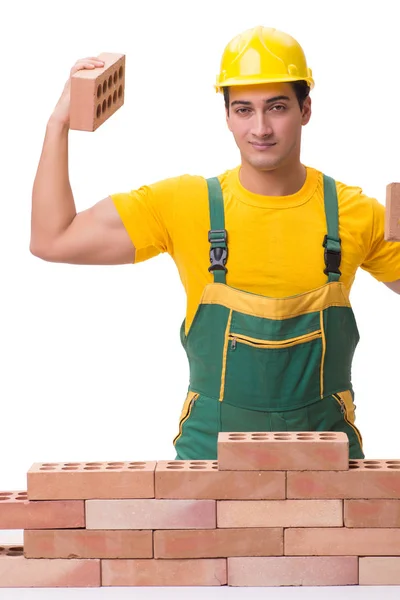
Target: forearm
(53, 206)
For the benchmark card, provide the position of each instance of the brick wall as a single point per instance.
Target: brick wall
(276, 509)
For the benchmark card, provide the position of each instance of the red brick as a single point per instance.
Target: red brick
(392, 213)
(16, 512)
(202, 480)
(279, 513)
(88, 544)
(287, 451)
(342, 542)
(218, 543)
(365, 479)
(379, 570)
(206, 571)
(81, 481)
(97, 93)
(372, 513)
(150, 514)
(293, 571)
(19, 572)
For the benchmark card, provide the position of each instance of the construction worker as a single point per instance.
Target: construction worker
(267, 253)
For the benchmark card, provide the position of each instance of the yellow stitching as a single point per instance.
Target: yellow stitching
(259, 343)
(323, 352)
(190, 401)
(221, 391)
(358, 434)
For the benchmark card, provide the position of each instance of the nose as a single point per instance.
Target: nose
(261, 127)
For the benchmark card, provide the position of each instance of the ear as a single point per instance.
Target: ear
(306, 114)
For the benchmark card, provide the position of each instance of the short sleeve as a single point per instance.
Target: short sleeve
(148, 216)
(382, 259)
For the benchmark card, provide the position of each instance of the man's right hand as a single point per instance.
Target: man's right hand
(61, 112)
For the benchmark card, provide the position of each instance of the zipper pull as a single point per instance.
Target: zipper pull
(342, 406)
(233, 344)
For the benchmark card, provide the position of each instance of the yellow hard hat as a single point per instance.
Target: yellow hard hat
(262, 55)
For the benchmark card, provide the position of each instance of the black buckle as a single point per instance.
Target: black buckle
(332, 258)
(218, 256)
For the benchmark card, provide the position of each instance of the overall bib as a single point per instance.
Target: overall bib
(268, 364)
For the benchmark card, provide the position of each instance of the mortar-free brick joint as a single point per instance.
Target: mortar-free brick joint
(275, 509)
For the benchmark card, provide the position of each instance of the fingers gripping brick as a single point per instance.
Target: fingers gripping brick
(97, 93)
(392, 215)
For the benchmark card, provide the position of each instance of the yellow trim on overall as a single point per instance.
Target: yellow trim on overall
(345, 400)
(333, 293)
(224, 355)
(323, 353)
(186, 410)
(257, 343)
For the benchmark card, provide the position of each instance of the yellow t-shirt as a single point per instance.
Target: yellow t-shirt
(274, 242)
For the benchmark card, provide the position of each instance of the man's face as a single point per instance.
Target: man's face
(266, 123)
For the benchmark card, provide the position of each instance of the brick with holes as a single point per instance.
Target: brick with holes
(341, 541)
(379, 570)
(150, 514)
(175, 572)
(17, 512)
(365, 479)
(218, 543)
(279, 513)
(20, 572)
(293, 571)
(82, 481)
(287, 451)
(372, 513)
(203, 480)
(96, 94)
(392, 213)
(81, 543)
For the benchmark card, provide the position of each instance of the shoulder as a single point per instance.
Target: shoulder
(350, 195)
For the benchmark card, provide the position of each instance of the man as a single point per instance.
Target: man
(267, 253)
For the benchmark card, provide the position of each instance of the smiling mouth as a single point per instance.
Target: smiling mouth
(263, 145)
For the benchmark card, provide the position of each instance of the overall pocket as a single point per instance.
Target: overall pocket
(273, 375)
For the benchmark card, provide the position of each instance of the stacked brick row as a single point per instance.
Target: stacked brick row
(276, 509)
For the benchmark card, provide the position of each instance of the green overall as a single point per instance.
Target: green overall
(268, 364)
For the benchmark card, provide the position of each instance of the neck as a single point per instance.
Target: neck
(283, 181)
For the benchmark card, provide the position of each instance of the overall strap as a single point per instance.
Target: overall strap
(217, 235)
(332, 241)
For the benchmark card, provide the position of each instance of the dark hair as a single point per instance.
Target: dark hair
(301, 88)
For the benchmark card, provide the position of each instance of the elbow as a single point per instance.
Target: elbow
(39, 251)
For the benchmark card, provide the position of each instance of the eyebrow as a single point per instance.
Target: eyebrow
(269, 101)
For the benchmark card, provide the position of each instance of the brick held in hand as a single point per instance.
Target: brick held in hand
(392, 214)
(83, 481)
(283, 451)
(96, 94)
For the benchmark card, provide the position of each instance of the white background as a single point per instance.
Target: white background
(91, 362)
